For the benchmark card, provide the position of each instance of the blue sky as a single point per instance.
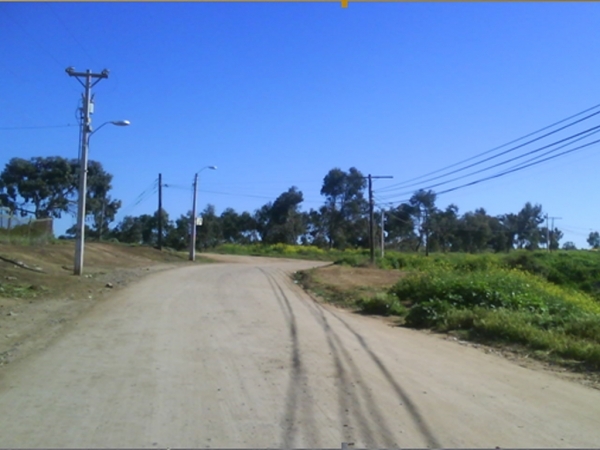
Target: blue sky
(277, 94)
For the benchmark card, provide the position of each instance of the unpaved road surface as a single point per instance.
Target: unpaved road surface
(235, 355)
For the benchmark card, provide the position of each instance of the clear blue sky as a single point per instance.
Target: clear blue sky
(277, 94)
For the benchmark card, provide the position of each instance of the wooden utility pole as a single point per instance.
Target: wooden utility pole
(371, 205)
(371, 237)
(382, 232)
(160, 224)
(550, 231)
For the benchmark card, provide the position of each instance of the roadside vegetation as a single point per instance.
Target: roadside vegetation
(293, 251)
(544, 304)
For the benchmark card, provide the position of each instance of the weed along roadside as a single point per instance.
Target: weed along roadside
(39, 294)
(544, 306)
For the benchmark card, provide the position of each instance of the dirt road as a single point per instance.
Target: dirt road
(235, 355)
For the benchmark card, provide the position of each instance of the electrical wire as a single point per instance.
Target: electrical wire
(73, 36)
(516, 169)
(506, 172)
(577, 233)
(40, 127)
(33, 39)
(149, 191)
(580, 136)
(405, 184)
(177, 186)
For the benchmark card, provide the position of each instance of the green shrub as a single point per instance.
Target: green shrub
(578, 270)
(506, 306)
(499, 288)
(428, 314)
(381, 304)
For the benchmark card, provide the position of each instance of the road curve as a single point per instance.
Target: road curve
(234, 355)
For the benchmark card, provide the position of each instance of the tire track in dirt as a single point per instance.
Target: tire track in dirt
(298, 383)
(334, 340)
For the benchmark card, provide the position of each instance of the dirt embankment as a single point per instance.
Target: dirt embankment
(39, 295)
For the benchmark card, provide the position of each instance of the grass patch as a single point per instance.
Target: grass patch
(578, 270)
(506, 307)
(10, 290)
(381, 304)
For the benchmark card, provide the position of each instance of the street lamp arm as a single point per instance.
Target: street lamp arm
(207, 167)
(119, 123)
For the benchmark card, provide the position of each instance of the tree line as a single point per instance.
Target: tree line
(47, 187)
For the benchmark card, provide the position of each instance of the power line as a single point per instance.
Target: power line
(33, 39)
(152, 189)
(509, 171)
(580, 136)
(405, 184)
(577, 233)
(177, 186)
(521, 167)
(73, 36)
(40, 127)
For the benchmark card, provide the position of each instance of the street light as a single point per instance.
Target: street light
(194, 220)
(83, 166)
(119, 123)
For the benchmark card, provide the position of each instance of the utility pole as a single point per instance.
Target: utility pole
(193, 222)
(103, 212)
(86, 130)
(371, 205)
(547, 234)
(551, 233)
(371, 237)
(160, 224)
(382, 232)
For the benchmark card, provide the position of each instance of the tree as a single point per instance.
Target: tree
(569, 246)
(231, 226)
(423, 207)
(528, 221)
(128, 230)
(247, 226)
(555, 236)
(594, 239)
(209, 234)
(501, 240)
(346, 213)
(136, 230)
(400, 227)
(100, 208)
(444, 227)
(40, 185)
(282, 221)
(316, 227)
(178, 232)
(475, 231)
